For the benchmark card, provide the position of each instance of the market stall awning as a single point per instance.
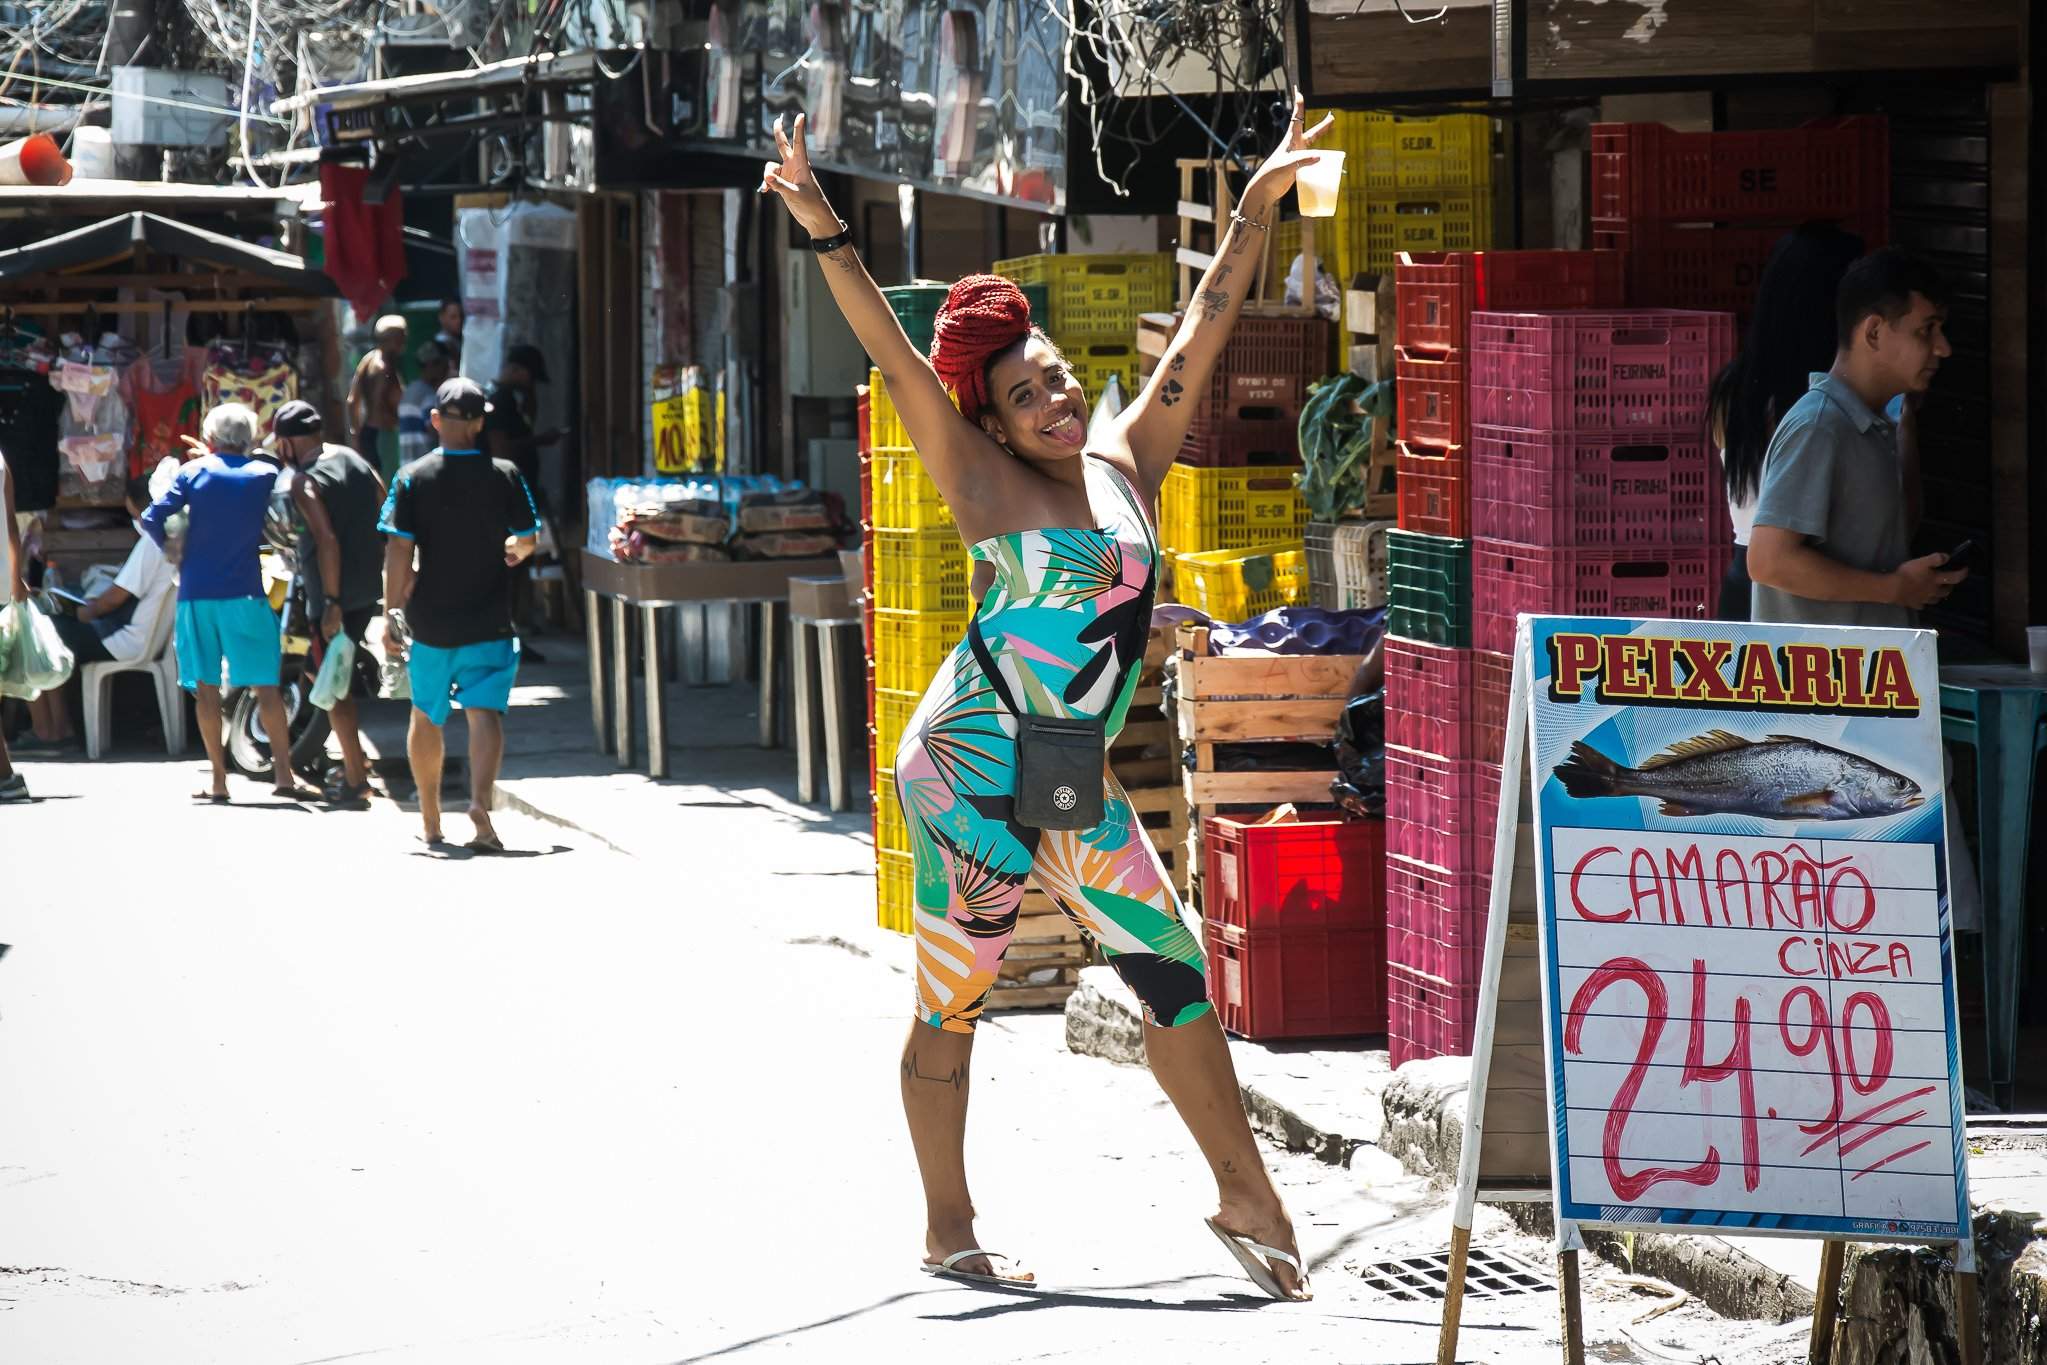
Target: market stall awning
(133, 233)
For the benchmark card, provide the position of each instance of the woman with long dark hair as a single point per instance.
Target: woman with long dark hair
(1001, 771)
(1790, 338)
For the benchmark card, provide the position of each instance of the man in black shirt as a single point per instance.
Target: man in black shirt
(338, 497)
(508, 435)
(459, 522)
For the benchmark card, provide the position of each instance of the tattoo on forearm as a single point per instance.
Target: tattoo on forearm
(1212, 303)
(843, 258)
(957, 1080)
(1171, 392)
(1179, 362)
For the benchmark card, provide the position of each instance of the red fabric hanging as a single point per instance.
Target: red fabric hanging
(365, 245)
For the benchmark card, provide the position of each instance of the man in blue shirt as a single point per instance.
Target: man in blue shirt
(459, 522)
(222, 612)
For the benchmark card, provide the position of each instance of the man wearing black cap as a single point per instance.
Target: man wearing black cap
(341, 553)
(459, 522)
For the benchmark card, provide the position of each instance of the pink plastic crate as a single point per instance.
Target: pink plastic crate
(1508, 579)
(1436, 920)
(1492, 685)
(1438, 291)
(1441, 810)
(1592, 488)
(1429, 700)
(1641, 369)
(1426, 1016)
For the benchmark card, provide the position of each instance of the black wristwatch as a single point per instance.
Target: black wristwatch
(843, 237)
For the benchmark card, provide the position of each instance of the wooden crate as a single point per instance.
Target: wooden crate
(1043, 962)
(1206, 202)
(1250, 699)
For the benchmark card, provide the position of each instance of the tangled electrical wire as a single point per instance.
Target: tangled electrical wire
(1140, 43)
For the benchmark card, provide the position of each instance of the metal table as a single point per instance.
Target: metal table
(651, 587)
(821, 611)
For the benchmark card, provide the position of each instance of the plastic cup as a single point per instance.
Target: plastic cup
(1315, 185)
(2036, 647)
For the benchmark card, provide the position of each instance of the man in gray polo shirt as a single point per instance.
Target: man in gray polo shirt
(1840, 495)
(1834, 520)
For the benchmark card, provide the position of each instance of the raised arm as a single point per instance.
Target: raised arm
(944, 439)
(1156, 424)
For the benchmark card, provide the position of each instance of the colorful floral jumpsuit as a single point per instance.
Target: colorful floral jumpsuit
(1066, 621)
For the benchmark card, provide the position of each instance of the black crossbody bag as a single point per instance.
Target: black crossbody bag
(1059, 761)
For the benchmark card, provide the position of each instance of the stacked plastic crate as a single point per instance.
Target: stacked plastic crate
(1230, 516)
(1443, 747)
(919, 571)
(1091, 306)
(1410, 184)
(1696, 215)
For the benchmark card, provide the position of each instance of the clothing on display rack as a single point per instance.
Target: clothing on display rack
(265, 388)
(166, 403)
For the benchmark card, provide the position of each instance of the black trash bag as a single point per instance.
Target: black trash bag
(1360, 785)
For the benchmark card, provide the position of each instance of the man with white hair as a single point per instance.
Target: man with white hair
(373, 396)
(222, 612)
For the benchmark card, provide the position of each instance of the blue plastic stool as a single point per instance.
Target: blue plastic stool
(2000, 711)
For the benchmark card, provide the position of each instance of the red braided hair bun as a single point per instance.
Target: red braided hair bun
(983, 316)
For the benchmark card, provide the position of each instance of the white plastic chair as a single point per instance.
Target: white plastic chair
(159, 660)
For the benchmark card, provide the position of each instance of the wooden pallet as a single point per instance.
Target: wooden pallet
(1250, 699)
(1206, 203)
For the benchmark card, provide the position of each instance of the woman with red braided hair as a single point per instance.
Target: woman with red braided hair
(1000, 771)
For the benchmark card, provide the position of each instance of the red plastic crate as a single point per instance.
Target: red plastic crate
(1831, 168)
(1432, 398)
(1436, 920)
(1508, 579)
(1642, 369)
(1298, 983)
(1309, 874)
(1429, 698)
(1434, 490)
(1437, 292)
(1427, 1017)
(1711, 268)
(1492, 685)
(1441, 810)
(1592, 488)
(1240, 450)
(861, 428)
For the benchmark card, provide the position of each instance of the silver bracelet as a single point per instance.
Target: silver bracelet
(1236, 217)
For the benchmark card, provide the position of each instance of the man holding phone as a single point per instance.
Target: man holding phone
(1839, 500)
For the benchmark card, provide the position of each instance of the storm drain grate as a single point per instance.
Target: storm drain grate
(1488, 1274)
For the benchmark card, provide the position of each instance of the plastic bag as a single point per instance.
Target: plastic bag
(335, 670)
(38, 659)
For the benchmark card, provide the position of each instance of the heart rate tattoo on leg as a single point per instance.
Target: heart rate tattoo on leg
(957, 1080)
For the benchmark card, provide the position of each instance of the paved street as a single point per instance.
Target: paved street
(278, 1085)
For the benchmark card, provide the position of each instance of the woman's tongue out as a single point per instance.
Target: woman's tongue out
(1069, 430)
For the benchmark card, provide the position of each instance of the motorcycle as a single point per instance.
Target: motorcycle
(248, 743)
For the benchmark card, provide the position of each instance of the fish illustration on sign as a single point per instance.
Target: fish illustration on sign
(1783, 777)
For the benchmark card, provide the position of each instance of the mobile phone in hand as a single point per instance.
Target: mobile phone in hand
(1963, 556)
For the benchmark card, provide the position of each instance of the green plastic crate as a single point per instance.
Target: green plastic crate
(916, 307)
(1428, 588)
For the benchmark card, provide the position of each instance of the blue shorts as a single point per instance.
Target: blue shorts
(241, 630)
(476, 677)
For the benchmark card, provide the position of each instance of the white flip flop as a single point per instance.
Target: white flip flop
(945, 1270)
(1253, 1257)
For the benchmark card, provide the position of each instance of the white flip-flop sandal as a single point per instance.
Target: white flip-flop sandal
(945, 1270)
(1254, 1258)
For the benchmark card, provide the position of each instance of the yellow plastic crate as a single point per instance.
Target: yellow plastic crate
(1093, 360)
(895, 891)
(892, 713)
(910, 645)
(1096, 294)
(891, 831)
(1228, 509)
(884, 424)
(1235, 585)
(1395, 152)
(920, 571)
(905, 498)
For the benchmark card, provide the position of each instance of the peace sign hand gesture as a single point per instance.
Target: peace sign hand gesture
(1276, 175)
(791, 178)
